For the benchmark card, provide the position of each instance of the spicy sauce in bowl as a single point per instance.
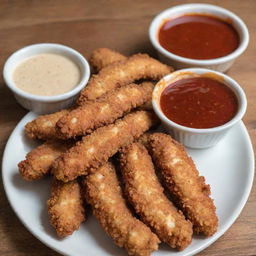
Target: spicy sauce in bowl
(198, 106)
(198, 37)
(199, 102)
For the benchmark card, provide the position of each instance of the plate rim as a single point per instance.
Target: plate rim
(210, 241)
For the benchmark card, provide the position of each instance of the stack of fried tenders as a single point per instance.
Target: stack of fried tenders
(111, 116)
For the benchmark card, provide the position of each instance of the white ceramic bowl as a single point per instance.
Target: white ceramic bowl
(221, 64)
(45, 104)
(193, 137)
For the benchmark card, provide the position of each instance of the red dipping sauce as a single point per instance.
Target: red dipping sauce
(198, 37)
(199, 102)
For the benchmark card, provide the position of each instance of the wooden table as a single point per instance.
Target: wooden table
(122, 25)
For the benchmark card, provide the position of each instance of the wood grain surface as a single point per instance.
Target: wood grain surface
(122, 25)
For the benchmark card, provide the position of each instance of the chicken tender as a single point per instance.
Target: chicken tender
(145, 194)
(104, 194)
(44, 127)
(39, 161)
(104, 111)
(104, 57)
(95, 149)
(139, 66)
(184, 183)
(65, 207)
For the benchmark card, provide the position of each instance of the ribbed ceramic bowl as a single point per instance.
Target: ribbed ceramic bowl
(221, 64)
(193, 137)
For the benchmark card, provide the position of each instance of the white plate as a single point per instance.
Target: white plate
(227, 167)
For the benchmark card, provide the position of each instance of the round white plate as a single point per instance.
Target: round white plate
(227, 167)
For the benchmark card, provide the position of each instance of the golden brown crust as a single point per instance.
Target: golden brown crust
(104, 194)
(105, 110)
(183, 181)
(104, 57)
(65, 207)
(139, 66)
(96, 148)
(44, 127)
(39, 161)
(145, 193)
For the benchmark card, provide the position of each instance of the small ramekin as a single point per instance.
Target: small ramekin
(45, 104)
(193, 137)
(221, 64)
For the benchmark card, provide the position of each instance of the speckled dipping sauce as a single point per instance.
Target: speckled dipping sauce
(47, 74)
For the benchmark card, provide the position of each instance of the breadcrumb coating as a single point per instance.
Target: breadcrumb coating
(95, 149)
(104, 57)
(104, 194)
(44, 127)
(65, 207)
(139, 66)
(105, 110)
(39, 161)
(182, 178)
(145, 193)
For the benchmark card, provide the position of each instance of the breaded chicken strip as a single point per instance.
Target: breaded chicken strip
(139, 66)
(104, 57)
(44, 127)
(96, 148)
(39, 161)
(65, 207)
(145, 194)
(184, 183)
(105, 110)
(104, 194)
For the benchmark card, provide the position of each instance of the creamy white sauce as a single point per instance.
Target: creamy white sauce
(47, 74)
